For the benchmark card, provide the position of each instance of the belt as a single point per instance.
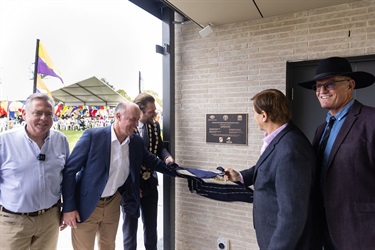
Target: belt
(108, 197)
(31, 214)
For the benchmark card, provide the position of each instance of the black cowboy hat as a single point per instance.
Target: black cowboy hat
(338, 66)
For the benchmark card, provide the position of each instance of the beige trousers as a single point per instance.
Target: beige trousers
(103, 222)
(21, 232)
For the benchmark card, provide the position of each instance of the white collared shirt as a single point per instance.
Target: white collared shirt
(141, 129)
(119, 164)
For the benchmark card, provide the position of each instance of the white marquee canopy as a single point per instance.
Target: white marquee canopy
(91, 91)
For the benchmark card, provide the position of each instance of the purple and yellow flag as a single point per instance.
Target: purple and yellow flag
(41, 86)
(45, 64)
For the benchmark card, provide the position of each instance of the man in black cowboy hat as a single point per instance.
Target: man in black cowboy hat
(345, 145)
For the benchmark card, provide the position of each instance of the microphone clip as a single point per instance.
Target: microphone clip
(41, 157)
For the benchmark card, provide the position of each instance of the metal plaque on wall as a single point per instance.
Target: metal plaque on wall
(226, 128)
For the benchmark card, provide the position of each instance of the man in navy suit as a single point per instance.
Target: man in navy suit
(149, 130)
(282, 178)
(346, 180)
(104, 162)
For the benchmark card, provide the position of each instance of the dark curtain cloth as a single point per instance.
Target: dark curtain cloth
(211, 184)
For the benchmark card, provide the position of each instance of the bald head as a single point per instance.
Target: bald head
(127, 115)
(122, 107)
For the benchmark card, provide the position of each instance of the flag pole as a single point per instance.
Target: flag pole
(139, 81)
(36, 66)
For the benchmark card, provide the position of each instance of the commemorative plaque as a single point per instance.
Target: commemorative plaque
(226, 128)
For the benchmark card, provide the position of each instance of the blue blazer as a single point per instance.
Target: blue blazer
(87, 170)
(283, 181)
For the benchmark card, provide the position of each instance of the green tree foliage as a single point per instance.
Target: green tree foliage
(155, 95)
(124, 94)
(120, 91)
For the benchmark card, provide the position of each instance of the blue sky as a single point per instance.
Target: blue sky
(111, 39)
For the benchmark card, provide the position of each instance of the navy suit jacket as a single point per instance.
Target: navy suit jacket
(349, 186)
(283, 179)
(87, 169)
(148, 178)
(154, 138)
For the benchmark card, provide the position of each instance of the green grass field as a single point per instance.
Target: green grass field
(72, 136)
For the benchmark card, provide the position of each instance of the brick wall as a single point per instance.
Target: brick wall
(219, 74)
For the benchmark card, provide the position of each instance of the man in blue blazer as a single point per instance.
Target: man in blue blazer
(149, 130)
(104, 161)
(282, 178)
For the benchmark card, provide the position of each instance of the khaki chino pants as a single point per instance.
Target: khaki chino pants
(103, 222)
(21, 232)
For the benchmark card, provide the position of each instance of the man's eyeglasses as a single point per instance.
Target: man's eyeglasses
(41, 113)
(328, 85)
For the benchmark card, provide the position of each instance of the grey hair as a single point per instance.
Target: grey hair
(39, 96)
(122, 107)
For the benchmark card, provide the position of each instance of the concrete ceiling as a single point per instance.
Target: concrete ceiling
(218, 12)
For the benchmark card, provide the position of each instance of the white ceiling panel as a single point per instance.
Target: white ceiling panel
(217, 12)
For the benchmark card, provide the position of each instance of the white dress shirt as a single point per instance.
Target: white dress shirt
(119, 164)
(141, 129)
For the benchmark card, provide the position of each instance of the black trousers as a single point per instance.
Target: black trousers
(149, 214)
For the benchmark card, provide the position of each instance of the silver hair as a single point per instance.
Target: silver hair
(122, 107)
(40, 96)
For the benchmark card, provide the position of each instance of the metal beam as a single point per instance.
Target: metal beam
(169, 125)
